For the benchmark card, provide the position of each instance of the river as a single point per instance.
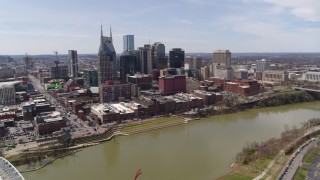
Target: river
(201, 149)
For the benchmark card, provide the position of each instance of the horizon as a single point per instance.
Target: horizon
(242, 26)
(166, 53)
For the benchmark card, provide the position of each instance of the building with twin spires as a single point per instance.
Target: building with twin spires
(110, 88)
(107, 70)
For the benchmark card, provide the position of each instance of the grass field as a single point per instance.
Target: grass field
(145, 124)
(238, 176)
(301, 174)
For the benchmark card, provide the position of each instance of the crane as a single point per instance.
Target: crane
(57, 60)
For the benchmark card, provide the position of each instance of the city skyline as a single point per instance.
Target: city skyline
(194, 25)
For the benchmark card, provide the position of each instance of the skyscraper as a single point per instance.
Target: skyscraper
(159, 49)
(128, 65)
(194, 62)
(90, 77)
(107, 59)
(160, 61)
(28, 62)
(222, 58)
(73, 63)
(146, 59)
(128, 43)
(176, 58)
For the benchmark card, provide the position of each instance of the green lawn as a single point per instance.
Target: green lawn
(145, 124)
(238, 176)
(311, 155)
(301, 174)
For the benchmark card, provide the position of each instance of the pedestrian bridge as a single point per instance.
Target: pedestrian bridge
(8, 171)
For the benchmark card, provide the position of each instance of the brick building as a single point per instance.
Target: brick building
(243, 87)
(172, 84)
(140, 82)
(114, 91)
(48, 125)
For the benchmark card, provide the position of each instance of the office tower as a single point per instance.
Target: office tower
(146, 59)
(194, 63)
(263, 65)
(28, 63)
(73, 63)
(128, 43)
(176, 58)
(138, 57)
(128, 65)
(222, 58)
(107, 59)
(205, 73)
(159, 49)
(90, 77)
(160, 60)
(58, 72)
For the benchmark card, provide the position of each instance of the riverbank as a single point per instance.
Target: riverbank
(267, 158)
(309, 164)
(201, 150)
(50, 161)
(136, 127)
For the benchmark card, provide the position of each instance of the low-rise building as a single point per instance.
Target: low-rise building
(274, 77)
(70, 85)
(312, 76)
(140, 82)
(2, 129)
(107, 113)
(49, 123)
(208, 98)
(243, 87)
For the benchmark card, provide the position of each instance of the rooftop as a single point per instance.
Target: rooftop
(8, 84)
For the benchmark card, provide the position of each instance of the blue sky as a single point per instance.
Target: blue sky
(38, 27)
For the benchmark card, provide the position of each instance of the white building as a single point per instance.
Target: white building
(8, 92)
(311, 76)
(223, 72)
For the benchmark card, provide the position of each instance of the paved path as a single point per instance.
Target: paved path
(296, 163)
(269, 166)
(260, 176)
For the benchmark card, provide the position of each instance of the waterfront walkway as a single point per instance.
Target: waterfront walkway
(281, 154)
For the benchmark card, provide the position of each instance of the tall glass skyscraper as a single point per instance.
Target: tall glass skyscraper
(128, 43)
(176, 58)
(73, 63)
(107, 59)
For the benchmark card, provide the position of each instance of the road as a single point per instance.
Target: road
(73, 119)
(297, 159)
(80, 128)
(270, 165)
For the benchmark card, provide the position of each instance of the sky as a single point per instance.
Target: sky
(40, 27)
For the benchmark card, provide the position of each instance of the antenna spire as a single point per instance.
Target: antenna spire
(101, 30)
(110, 34)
